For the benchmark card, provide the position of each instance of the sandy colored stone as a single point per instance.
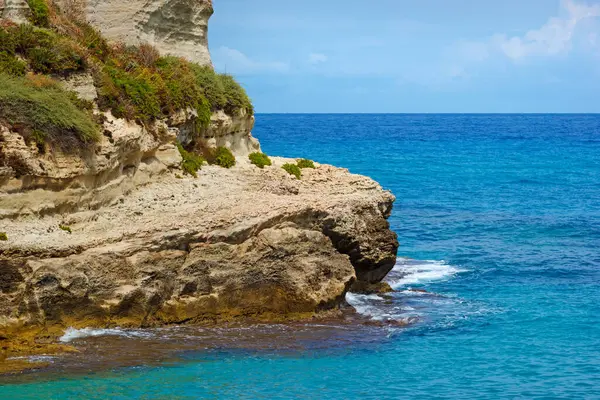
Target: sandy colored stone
(227, 244)
(177, 27)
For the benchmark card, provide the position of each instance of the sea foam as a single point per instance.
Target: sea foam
(74, 334)
(415, 272)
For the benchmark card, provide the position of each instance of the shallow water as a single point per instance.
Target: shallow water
(499, 221)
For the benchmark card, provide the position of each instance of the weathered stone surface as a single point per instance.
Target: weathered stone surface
(177, 27)
(228, 244)
(14, 10)
(128, 155)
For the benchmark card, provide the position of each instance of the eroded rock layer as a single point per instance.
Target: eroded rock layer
(177, 27)
(233, 243)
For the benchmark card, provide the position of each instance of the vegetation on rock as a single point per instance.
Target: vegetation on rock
(40, 13)
(222, 157)
(38, 109)
(42, 51)
(304, 163)
(192, 163)
(133, 82)
(260, 159)
(292, 169)
(3, 236)
(65, 228)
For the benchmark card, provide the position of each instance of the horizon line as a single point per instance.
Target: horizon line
(427, 113)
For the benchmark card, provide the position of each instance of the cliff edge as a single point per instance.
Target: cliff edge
(109, 215)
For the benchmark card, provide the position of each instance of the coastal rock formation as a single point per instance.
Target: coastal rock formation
(233, 243)
(107, 230)
(177, 27)
(128, 155)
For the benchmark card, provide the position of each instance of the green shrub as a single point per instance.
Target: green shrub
(65, 228)
(61, 58)
(260, 160)
(223, 157)
(11, 65)
(191, 163)
(136, 92)
(211, 86)
(45, 51)
(3, 236)
(304, 163)
(292, 169)
(182, 89)
(40, 110)
(8, 41)
(40, 12)
(26, 37)
(237, 98)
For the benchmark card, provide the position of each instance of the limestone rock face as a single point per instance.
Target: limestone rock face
(177, 27)
(129, 155)
(14, 10)
(233, 243)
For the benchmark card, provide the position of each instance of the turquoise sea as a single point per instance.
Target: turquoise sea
(499, 221)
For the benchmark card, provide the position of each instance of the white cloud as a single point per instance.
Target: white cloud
(234, 61)
(553, 38)
(317, 58)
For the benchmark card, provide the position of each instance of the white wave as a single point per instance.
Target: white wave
(366, 305)
(35, 359)
(74, 334)
(414, 272)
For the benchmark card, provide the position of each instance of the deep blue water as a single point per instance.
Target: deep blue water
(506, 208)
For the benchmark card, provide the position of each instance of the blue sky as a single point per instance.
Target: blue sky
(411, 55)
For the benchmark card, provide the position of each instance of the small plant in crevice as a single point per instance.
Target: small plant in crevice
(261, 160)
(292, 169)
(40, 13)
(65, 228)
(222, 157)
(191, 163)
(3, 236)
(304, 163)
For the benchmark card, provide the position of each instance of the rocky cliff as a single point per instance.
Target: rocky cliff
(233, 243)
(128, 155)
(112, 232)
(177, 27)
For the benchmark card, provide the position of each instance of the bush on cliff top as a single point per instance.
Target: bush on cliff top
(38, 109)
(260, 160)
(304, 163)
(135, 85)
(292, 169)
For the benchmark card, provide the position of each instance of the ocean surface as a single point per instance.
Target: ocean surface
(498, 275)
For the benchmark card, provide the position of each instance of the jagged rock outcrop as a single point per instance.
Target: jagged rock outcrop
(177, 27)
(233, 243)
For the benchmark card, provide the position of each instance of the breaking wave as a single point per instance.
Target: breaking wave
(74, 334)
(416, 272)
